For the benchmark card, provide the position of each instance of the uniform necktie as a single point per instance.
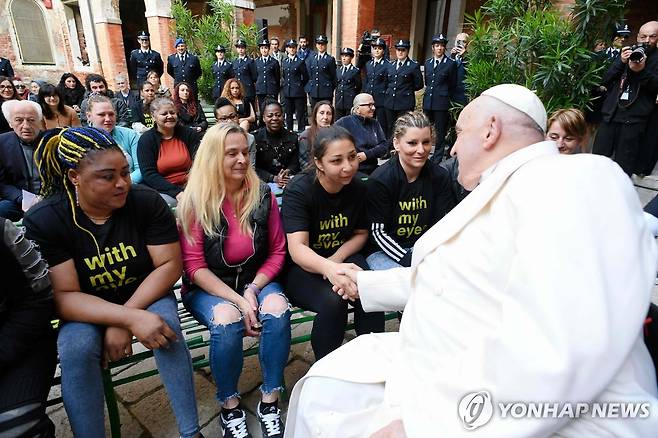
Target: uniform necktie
(399, 65)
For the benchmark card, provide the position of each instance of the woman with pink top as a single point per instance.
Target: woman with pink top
(233, 249)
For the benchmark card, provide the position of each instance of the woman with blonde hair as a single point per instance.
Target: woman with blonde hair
(234, 92)
(568, 129)
(233, 250)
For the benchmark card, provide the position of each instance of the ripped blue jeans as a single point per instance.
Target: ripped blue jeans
(226, 342)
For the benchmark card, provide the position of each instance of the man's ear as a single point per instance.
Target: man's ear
(494, 129)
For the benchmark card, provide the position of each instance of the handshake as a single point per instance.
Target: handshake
(343, 278)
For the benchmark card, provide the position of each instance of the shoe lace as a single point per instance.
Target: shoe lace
(272, 422)
(237, 426)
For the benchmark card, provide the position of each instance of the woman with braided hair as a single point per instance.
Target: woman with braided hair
(114, 256)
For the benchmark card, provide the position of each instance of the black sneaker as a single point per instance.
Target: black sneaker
(235, 424)
(270, 421)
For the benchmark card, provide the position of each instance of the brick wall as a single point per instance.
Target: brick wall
(393, 17)
(60, 44)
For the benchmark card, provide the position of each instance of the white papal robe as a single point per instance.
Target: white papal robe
(534, 288)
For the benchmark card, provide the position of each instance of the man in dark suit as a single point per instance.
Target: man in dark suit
(348, 83)
(440, 82)
(268, 75)
(404, 79)
(19, 176)
(222, 70)
(144, 59)
(184, 66)
(321, 72)
(295, 76)
(377, 80)
(5, 68)
(244, 70)
(304, 50)
(124, 92)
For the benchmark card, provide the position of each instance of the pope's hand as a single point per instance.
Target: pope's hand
(394, 429)
(350, 273)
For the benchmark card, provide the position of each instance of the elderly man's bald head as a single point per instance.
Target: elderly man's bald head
(24, 117)
(648, 33)
(488, 130)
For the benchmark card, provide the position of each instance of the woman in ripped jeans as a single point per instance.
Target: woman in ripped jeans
(233, 249)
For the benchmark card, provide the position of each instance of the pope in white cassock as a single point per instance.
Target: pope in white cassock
(534, 289)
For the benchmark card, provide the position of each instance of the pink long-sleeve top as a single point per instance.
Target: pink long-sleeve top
(237, 246)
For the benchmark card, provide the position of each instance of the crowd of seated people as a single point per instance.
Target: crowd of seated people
(267, 218)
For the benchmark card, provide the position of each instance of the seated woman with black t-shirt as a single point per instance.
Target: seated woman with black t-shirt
(165, 152)
(190, 112)
(233, 251)
(325, 220)
(234, 92)
(277, 149)
(114, 257)
(140, 111)
(406, 195)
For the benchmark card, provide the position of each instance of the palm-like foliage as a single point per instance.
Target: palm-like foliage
(204, 33)
(532, 43)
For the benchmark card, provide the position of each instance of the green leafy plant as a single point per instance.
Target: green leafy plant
(203, 33)
(533, 43)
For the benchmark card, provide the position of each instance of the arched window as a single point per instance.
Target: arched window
(31, 32)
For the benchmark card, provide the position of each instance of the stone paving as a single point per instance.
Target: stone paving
(144, 405)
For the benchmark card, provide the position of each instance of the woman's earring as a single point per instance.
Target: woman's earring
(77, 198)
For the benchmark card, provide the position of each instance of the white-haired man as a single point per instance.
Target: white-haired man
(19, 178)
(507, 300)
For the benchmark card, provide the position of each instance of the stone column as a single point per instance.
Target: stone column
(160, 23)
(109, 38)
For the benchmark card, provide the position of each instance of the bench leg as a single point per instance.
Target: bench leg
(111, 402)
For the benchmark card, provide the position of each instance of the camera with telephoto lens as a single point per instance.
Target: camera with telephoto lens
(638, 53)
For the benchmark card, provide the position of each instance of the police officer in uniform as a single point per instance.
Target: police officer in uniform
(294, 77)
(375, 35)
(184, 66)
(348, 83)
(440, 83)
(404, 79)
(377, 80)
(144, 59)
(268, 75)
(244, 70)
(321, 72)
(221, 71)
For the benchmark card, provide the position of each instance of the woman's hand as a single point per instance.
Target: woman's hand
(76, 108)
(151, 330)
(117, 344)
(248, 306)
(343, 285)
(282, 178)
(351, 274)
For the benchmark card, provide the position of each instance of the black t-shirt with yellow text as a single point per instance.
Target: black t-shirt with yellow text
(329, 219)
(121, 262)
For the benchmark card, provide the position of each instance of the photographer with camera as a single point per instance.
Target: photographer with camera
(632, 81)
(458, 54)
(364, 50)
